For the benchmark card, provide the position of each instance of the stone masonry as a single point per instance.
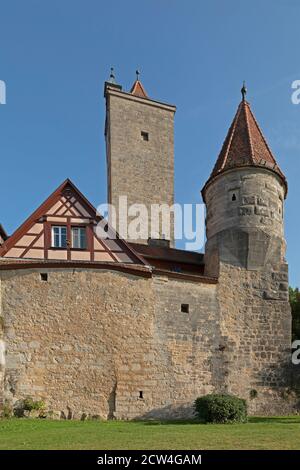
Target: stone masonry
(90, 342)
(142, 335)
(142, 170)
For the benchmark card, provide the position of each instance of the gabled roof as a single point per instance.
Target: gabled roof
(40, 212)
(138, 90)
(245, 145)
(175, 263)
(173, 259)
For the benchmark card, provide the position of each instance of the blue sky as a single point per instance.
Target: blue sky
(55, 56)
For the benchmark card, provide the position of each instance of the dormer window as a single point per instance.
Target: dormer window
(79, 238)
(59, 236)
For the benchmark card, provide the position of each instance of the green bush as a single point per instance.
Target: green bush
(216, 408)
(29, 404)
(6, 411)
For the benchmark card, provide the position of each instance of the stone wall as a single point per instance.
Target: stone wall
(244, 223)
(90, 342)
(186, 344)
(258, 201)
(78, 341)
(255, 327)
(115, 345)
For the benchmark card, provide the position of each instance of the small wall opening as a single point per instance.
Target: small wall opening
(141, 394)
(44, 277)
(145, 135)
(185, 308)
(234, 195)
(280, 208)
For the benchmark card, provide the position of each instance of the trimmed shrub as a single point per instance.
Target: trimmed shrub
(218, 408)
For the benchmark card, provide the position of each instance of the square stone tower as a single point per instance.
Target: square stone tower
(139, 134)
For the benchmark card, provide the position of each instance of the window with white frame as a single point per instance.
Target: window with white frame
(59, 236)
(79, 237)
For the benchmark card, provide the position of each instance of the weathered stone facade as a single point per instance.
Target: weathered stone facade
(110, 331)
(142, 170)
(244, 220)
(255, 331)
(88, 343)
(74, 339)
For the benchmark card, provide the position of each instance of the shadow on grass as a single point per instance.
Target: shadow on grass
(251, 420)
(174, 422)
(275, 419)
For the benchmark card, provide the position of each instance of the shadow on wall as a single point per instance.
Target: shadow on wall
(296, 378)
(275, 396)
(112, 402)
(276, 392)
(170, 412)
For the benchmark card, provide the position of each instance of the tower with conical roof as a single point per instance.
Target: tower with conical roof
(139, 134)
(245, 249)
(244, 197)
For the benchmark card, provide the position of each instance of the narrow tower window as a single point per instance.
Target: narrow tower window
(141, 395)
(145, 135)
(280, 208)
(233, 195)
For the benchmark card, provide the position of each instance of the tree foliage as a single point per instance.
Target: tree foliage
(295, 306)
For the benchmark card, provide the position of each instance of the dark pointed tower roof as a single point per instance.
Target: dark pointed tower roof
(245, 145)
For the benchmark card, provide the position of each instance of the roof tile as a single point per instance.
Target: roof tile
(138, 90)
(245, 145)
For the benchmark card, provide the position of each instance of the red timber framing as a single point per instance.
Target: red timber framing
(67, 207)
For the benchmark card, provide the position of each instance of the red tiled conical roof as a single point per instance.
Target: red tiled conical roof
(245, 145)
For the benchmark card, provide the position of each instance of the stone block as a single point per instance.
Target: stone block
(248, 200)
(246, 210)
(262, 201)
(262, 211)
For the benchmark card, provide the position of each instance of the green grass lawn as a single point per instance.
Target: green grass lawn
(258, 433)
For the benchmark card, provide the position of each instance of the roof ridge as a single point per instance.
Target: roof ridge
(247, 106)
(230, 134)
(235, 121)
